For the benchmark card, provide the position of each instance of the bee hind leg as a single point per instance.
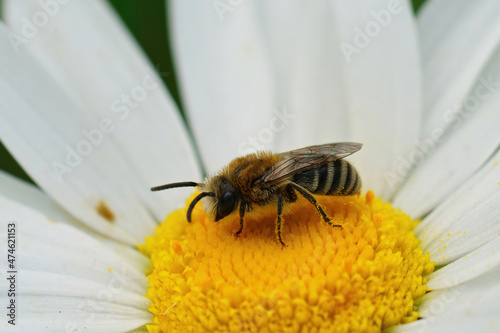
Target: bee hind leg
(310, 197)
(243, 207)
(279, 220)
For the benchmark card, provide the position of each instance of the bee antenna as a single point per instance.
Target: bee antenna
(174, 185)
(195, 201)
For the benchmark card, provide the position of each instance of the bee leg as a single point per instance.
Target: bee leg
(308, 195)
(279, 225)
(243, 207)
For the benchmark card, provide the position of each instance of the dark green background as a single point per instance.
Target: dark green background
(147, 20)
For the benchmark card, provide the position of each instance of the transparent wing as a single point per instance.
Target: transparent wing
(300, 160)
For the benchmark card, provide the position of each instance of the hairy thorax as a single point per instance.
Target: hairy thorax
(243, 172)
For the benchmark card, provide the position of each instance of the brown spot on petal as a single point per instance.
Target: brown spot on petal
(104, 211)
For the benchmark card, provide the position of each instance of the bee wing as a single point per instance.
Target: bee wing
(300, 160)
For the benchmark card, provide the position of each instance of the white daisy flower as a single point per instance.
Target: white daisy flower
(89, 120)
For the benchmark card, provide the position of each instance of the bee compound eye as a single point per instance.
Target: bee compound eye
(226, 204)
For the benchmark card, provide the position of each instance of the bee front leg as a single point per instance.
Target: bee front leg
(279, 225)
(243, 207)
(310, 197)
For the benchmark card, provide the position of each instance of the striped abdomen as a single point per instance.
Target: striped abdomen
(335, 178)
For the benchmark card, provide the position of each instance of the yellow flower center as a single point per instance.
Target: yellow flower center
(363, 277)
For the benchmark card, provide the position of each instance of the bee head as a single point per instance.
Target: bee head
(225, 198)
(221, 196)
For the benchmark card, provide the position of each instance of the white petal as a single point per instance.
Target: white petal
(225, 78)
(29, 195)
(280, 19)
(472, 265)
(43, 128)
(90, 53)
(74, 314)
(467, 220)
(131, 254)
(457, 42)
(469, 306)
(66, 277)
(315, 90)
(474, 138)
(477, 296)
(382, 80)
(36, 283)
(448, 167)
(48, 246)
(306, 71)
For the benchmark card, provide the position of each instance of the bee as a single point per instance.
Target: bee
(263, 178)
